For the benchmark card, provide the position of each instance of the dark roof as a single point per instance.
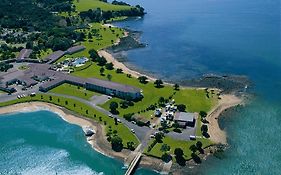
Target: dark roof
(74, 49)
(24, 53)
(113, 85)
(185, 116)
(27, 80)
(54, 56)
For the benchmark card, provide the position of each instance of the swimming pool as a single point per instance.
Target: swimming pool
(79, 61)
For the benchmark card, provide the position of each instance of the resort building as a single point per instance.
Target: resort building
(24, 54)
(75, 49)
(185, 119)
(53, 57)
(42, 72)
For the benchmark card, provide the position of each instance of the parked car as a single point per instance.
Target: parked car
(132, 130)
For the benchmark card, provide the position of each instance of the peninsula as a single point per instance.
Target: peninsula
(58, 62)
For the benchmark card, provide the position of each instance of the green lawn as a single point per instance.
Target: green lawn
(102, 37)
(173, 143)
(81, 109)
(85, 5)
(73, 90)
(195, 99)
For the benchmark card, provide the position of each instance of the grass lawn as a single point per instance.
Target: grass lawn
(73, 90)
(81, 109)
(43, 53)
(184, 145)
(85, 5)
(23, 67)
(102, 37)
(195, 99)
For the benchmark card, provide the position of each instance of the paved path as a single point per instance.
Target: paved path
(140, 132)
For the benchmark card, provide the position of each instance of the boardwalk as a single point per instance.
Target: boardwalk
(133, 164)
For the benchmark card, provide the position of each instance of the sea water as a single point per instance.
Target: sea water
(43, 143)
(194, 37)
(189, 38)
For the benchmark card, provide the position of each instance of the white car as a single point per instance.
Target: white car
(152, 136)
(110, 116)
(132, 130)
(118, 120)
(134, 122)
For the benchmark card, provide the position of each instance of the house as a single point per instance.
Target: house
(185, 119)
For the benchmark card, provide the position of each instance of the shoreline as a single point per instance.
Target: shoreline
(97, 141)
(217, 135)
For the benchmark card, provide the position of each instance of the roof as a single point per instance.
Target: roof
(24, 53)
(54, 56)
(113, 85)
(27, 80)
(74, 49)
(185, 116)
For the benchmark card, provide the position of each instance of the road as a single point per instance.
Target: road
(142, 133)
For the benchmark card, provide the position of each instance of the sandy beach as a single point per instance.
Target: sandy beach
(98, 140)
(216, 134)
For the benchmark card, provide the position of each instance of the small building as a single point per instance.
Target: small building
(185, 119)
(75, 49)
(53, 57)
(24, 54)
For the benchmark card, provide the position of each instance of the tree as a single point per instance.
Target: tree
(166, 157)
(66, 102)
(179, 156)
(199, 146)
(115, 121)
(193, 148)
(159, 136)
(124, 104)
(101, 70)
(177, 87)
(109, 66)
(203, 114)
(178, 152)
(109, 77)
(161, 101)
(158, 83)
(181, 107)
(196, 158)
(165, 148)
(131, 146)
(142, 79)
(119, 71)
(93, 54)
(50, 98)
(101, 61)
(117, 143)
(113, 107)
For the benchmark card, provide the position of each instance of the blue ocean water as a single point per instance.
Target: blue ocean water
(190, 38)
(43, 143)
(186, 38)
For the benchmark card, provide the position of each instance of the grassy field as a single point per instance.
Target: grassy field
(73, 90)
(195, 99)
(85, 5)
(102, 37)
(81, 109)
(184, 145)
